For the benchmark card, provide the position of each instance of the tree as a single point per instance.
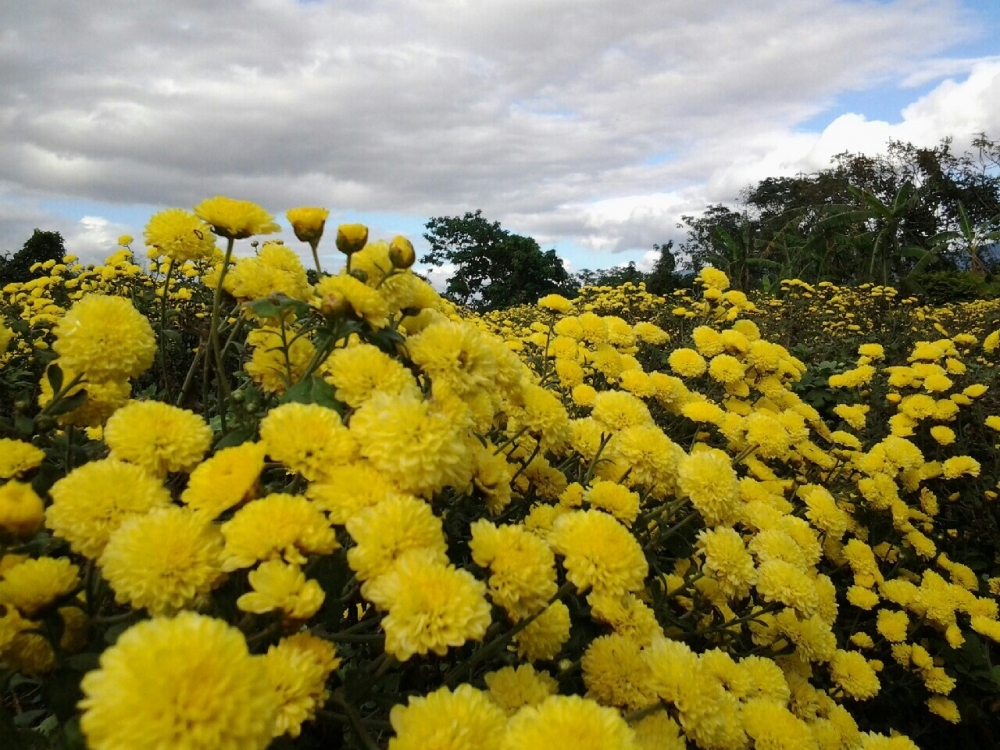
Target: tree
(493, 267)
(614, 276)
(884, 218)
(40, 247)
(662, 279)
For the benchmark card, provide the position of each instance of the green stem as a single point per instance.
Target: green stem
(163, 325)
(314, 245)
(214, 334)
(501, 641)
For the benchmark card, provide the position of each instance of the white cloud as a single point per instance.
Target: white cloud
(552, 116)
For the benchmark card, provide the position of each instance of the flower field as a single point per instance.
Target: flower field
(243, 505)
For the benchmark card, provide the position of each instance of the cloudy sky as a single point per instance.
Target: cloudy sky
(588, 124)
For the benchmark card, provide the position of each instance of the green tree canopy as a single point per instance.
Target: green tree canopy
(40, 247)
(494, 268)
(884, 218)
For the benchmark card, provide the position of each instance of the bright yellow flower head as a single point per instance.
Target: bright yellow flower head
(708, 479)
(18, 457)
(543, 639)
(308, 439)
(414, 443)
(852, 673)
(522, 567)
(359, 371)
(103, 338)
(615, 673)
(386, 531)
(93, 500)
(278, 526)
(235, 219)
(280, 586)
(209, 692)
(351, 238)
(158, 437)
(164, 561)
(568, 721)
(180, 235)
(444, 720)
(33, 585)
(307, 222)
(224, 480)
(511, 689)
(727, 561)
(432, 607)
(599, 552)
(21, 509)
(298, 668)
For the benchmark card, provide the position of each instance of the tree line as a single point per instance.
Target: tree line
(926, 220)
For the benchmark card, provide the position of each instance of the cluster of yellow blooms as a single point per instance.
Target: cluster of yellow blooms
(652, 537)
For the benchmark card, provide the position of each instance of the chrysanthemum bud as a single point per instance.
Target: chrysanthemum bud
(401, 253)
(308, 223)
(334, 304)
(351, 238)
(360, 274)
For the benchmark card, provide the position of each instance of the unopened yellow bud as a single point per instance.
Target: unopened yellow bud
(308, 223)
(351, 238)
(401, 253)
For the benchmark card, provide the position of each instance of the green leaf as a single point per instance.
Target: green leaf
(263, 308)
(55, 376)
(68, 404)
(84, 662)
(62, 692)
(236, 437)
(313, 390)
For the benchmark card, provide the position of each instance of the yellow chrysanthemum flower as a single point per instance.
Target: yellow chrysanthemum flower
(415, 445)
(568, 721)
(708, 479)
(235, 219)
(180, 235)
(511, 689)
(365, 302)
(278, 526)
(307, 222)
(598, 552)
(308, 439)
(727, 561)
(158, 437)
(298, 668)
(522, 567)
(105, 338)
(93, 500)
(35, 584)
(432, 607)
(615, 673)
(347, 489)
(18, 457)
(280, 586)
(21, 509)
(224, 480)
(853, 674)
(444, 720)
(209, 692)
(165, 561)
(687, 363)
(543, 639)
(384, 532)
(359, 371)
